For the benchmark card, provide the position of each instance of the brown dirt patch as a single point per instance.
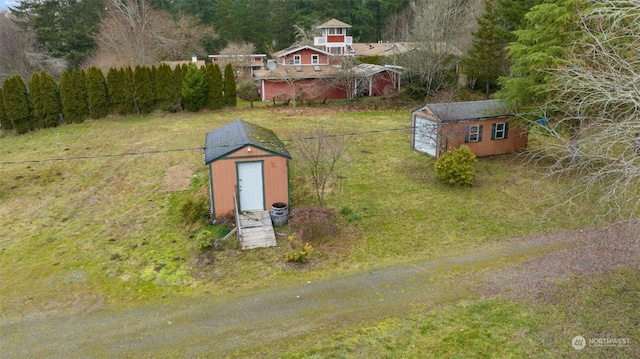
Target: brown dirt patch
(177, 178)
(586, 252)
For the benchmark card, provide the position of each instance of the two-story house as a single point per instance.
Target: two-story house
(320, 72)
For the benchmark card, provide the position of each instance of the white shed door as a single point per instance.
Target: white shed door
(426, 136)
(250, 186)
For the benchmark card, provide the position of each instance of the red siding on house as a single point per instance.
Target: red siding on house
(225, 181)
(380, 83)
(335, 38)
(305, 57)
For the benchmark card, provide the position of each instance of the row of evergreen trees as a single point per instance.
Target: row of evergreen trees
(81, 94)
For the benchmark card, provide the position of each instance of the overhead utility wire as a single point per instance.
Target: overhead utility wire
(138, 153)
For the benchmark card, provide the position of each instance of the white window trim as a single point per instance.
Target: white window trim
(502, 131)
(297, 60)
(474, 133)
(315, 59)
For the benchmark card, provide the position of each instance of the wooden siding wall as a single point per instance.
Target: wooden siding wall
(224, 178)
(454, 135)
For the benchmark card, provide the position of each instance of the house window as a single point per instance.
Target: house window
(499, 130)
(297, 60)
(315, 59)
(335, 31)
(473, 133)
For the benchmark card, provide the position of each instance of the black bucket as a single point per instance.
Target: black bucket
(279, 213)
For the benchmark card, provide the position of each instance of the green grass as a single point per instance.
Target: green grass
(602, 306)
(103, 229)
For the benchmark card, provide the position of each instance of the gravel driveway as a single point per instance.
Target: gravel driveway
(224, 325)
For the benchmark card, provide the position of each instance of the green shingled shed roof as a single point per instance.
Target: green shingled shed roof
(237, 134)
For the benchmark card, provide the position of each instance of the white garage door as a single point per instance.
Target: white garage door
(250, 186)
(426, 136)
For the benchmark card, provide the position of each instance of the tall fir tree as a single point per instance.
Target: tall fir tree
(143, 89)
(230, 90)
(35, 95)
(215, 88)
(97, 93)
(166, 92)
(17, 105)
(194, 89)
(550, 30)
(50, 96)
(487, 59)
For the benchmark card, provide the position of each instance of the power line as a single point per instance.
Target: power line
(139, 153)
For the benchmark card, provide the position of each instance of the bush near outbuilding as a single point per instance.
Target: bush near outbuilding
(456, 167)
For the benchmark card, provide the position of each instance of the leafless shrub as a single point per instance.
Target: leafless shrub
(593, 135)
(311, 222)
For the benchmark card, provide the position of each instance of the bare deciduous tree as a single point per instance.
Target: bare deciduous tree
(134, 32)
(238, 54)
(320, 156)
(440, 32)
(598, 90)
(18, 55)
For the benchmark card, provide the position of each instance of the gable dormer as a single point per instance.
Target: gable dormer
(334, 37)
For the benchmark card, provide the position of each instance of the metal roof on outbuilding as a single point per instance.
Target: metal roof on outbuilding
(470, 110)
(237, 134)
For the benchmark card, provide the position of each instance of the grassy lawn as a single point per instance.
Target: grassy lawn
(107, 229)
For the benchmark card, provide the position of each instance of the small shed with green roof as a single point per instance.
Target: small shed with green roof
(248, 162)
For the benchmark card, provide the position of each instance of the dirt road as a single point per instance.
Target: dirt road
(227, 325)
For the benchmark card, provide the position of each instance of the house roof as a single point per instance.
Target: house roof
(470, 110)
(371, 69)
(381, 49)
(237, 134)
(334, 23)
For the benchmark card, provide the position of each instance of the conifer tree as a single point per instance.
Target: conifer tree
(17, 105)
(550, 30)
(129, 104)
(115, 88)
(178, 73)
(5, 124)
(487, 59)
(166, 93)
(35, 92)
(72, 109)
(80, 79)
(194, 89)
(215, 87)
(230, 90)
(97, 93)
(50, 96)
(143, 89)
